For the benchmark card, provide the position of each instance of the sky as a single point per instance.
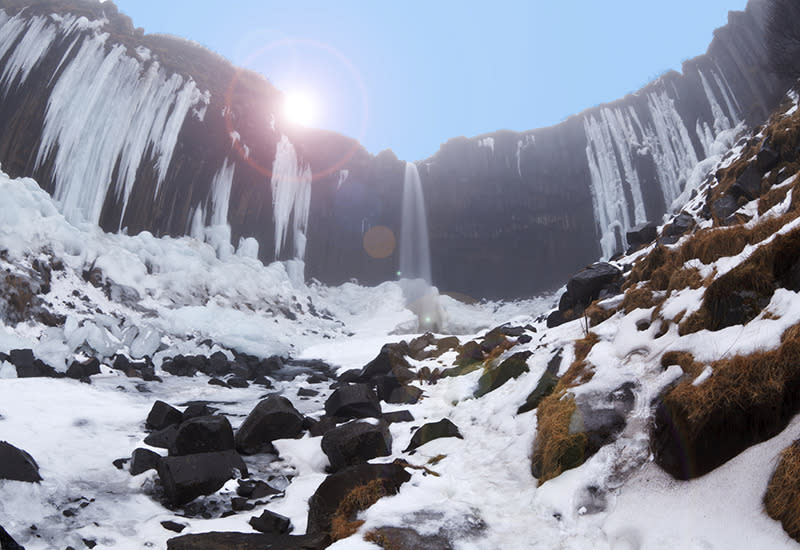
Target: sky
(409, 75)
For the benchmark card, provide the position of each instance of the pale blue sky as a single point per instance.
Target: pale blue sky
(408, 75)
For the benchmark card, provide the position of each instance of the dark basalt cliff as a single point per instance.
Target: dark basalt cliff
(150, 132)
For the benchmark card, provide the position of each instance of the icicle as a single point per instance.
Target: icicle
(721, 122)
(291, 197)
(221, 193)
(37, 39)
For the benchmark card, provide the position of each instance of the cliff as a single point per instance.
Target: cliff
(141, 132)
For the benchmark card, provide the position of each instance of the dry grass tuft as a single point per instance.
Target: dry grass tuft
(782, 500)
(555, 448)
(684, 359)
(638, 298)
(597, 314)
(343, 521)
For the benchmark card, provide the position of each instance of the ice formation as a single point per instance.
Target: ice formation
(291, 198)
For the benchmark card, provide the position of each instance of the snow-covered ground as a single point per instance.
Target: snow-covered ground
(170, 296)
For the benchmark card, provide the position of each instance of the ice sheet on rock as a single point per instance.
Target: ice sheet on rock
(291, 198)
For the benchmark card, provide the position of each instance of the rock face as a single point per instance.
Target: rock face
(207, 148)
(17, 465)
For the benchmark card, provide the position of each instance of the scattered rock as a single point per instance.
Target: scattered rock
(307, 392)
(748, 184)
(433, 430)
(173, 526)
(187, 477)
(162, 439)
(271, 523)
(240, 504)
(407, 395)
(255, 489)
(328, 496)
(197, 409)
(162, 415)
(143, 460)
(545, 386)
(85, 369)
(405, 538)
(273, 418)
(398, 416)
(237, 382)
(641, 235)
(767, 157)
(17, 465)
(353, 401)
(248, 541)
(204, 434)
(495, 377)
(597, 281)
(30, 367)
(7, 542)
(469, 353)
(723, 207)
(319, 427)
(356, 443)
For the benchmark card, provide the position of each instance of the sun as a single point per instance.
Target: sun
(299, 108)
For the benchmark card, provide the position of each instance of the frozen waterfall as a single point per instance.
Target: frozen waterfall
(291, 198)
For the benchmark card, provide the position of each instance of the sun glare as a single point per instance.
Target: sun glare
(299, 108)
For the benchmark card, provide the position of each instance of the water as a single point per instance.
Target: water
(415, 256)
(415, 252)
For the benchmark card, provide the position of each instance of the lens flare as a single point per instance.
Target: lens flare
(300, 108)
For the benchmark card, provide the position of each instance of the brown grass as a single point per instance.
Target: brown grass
(684, 359)
(598, 314)
(637, 298)
(782, 499)
(555, 449)
(343, 521)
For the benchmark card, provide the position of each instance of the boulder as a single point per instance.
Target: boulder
(353, 401)
(767, 157)
(181, 365)
(204, 434)
(173, 526)
(388, 371)
(255, 489)
(723, 207)
(493, 339)
(398, 416)
(273, 418)
(748, 184)
(271, 523)
(7, 542)
(162, 415)
(78, 370)
(196, 409)
(417, 346)
(589, 283)
(641, 235)
(162, 438)
(187, 477)
(326, 499)
(433, 430)
(356, 443)
(248, 541)
(495, 377)
(30, 367)
(469, 353)
(405, 538)
(407, 395)
(545, 386)
(143, 460)
(17, 465)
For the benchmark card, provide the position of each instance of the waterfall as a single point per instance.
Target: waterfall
(415, 252)
(415, 256)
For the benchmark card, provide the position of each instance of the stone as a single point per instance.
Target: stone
(748, 184)
(162, 438)
(319, 427)
(255, 489)
(307, 392)
(7, 542)
(407, 395)
(494, 377)
(162, 415)
(273, 418)
(17, 465)
(173, 526)
(143, 460)
(248, 541)
(328, 496)
(767, 157)
(433, 430)
(271, 523)
(679, 226)
(469, 353)
(204, 434)
(185, 478)
(545, 386)
(398, 416)
(586, 285)
(30, 367)
(240, 504)
(405, 538)
(641, 235)
(196, 409)
(356, 443)
(78, 370)
(353, 401)
(723, 207)
(493, 339)
(416, 347)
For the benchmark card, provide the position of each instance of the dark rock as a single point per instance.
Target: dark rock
(748, 184)
(389, 370)
(143, 460)
(248, 541)
(218, 382)
(355, 443)
(307, 392)
(255, 489)
(493, 339)
(433, 430)
(162, 438)
(187, 477)
(353, 401)
(119, 463)
(273, 418)
(271, 523)
(547, 383)
(469, 353)
(78, 370)
(196, 410)
(585, 286)
(447, 344)
(767, 157)
(162, 415)
(89, 543)
(404, 394)
(723, 207)
(349, 376)
(679, 226)
(173, 526)
(398, 416)
(405, 538)
(7, 542)
(555, 319)
(30, 367)
(185, 365)
(416, 347)
(17, 465)
(319, 427)
(204, 434)
(217, 364)
(325, 501)
(240, 504)
(524, 339)
(512, 331)
(262, 380)
(237, 382)
(495, 377)
(642, 235)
